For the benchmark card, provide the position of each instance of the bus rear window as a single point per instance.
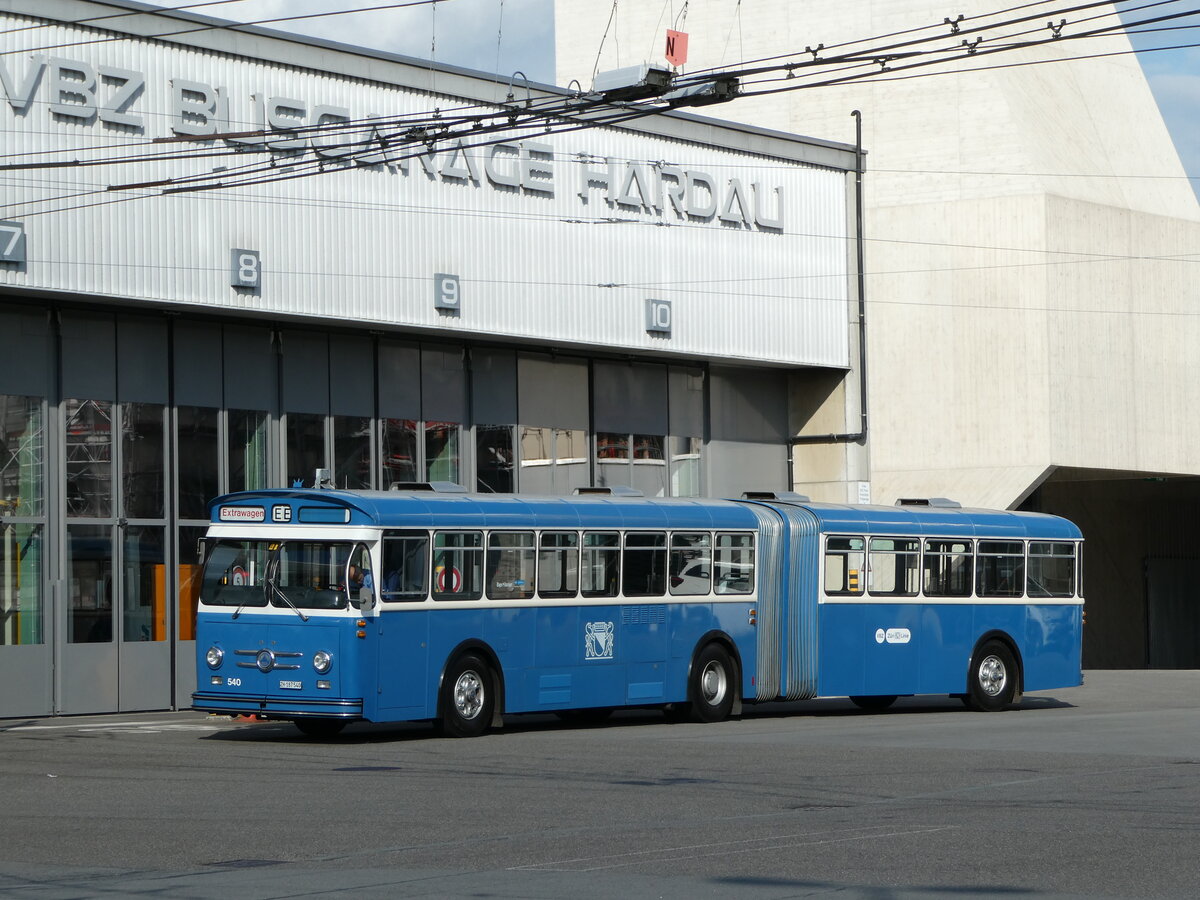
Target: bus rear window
(733, 564)
(1051, 571)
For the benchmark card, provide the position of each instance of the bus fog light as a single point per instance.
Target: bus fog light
(213, 657)
(323, 685)
(322, 661)
(216, 679)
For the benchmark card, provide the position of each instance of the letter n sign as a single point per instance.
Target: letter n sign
(677, 47)
(658, 317)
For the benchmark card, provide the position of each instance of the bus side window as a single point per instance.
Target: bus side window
(558, 564)
(948, 568)
(457, 565)
(510, 565)
(844, 562)
(601, 564)
(405, 567)
(691, 563)
(1000, 569)
(1051, 570)
(733, 564)
(895, 564)
(645, 564)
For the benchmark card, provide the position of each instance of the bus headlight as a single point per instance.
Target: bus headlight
(213, 657)
(322, 661)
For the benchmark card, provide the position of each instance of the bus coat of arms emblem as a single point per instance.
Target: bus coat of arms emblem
(598, 640)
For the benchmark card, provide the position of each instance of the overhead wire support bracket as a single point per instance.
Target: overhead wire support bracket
(716, 90)
(953, 23)
(632, 83)
(1057, 29)
(528, 94)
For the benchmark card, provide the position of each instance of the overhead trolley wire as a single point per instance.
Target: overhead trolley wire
(223, 25)
(90, 20)
(878, 59)
(568, 111)
(353, 125)
(963, 54)
(889, 54)
(956, 29)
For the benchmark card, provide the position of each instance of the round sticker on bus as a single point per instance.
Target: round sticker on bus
(449, 581)
(240, 577)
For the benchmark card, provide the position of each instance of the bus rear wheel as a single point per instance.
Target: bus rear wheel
(468, 700)
(713, 683)
(320, 728)
(992, 683)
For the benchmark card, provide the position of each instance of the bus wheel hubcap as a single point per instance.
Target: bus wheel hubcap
(468, 695)
(992, 676)
(713, 684)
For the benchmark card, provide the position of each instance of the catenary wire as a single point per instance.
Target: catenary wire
(354, 124)
(599, 121)
(222, 25)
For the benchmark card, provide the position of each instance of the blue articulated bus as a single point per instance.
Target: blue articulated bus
(324, 607)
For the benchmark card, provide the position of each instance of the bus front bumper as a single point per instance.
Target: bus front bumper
(275, 707)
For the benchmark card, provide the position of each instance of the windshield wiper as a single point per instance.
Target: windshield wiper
(237, 612)
(284, 597)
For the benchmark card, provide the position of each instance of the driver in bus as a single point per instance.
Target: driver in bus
(360, 579)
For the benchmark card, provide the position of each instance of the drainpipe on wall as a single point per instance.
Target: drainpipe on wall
(860, 435)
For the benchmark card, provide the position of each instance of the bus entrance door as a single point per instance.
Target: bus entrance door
(403, 647)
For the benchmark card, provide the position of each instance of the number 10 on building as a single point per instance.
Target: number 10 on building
(658, 316)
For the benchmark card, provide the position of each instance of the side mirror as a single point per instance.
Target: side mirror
(366, 598)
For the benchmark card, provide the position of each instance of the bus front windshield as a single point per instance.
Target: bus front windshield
(299, 574)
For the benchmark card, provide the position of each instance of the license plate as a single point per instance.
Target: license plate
(291, 685)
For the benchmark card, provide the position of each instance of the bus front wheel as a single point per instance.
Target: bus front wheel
(468, 699)
(992, 684)
(713, 683)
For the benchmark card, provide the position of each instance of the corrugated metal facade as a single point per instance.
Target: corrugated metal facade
(362, 244)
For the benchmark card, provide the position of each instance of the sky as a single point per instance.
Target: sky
(509, 35)
(1174, 77)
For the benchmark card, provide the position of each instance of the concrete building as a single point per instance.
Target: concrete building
(532, 311)
(1033, 325)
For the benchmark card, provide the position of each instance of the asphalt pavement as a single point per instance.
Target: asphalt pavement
(1086, 792)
